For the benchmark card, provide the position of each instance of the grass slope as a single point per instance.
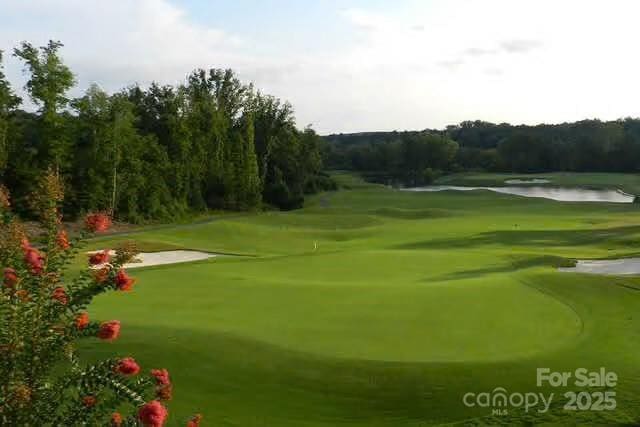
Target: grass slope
(408, 301)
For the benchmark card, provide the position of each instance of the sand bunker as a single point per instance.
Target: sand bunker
(146, 259)
(613, 267)
(527, 181)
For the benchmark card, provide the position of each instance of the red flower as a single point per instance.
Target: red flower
(89, 401)
(10, 278)
(99, 257)
(24, 244)
(101, 275)
(161, 376)
(153, 414)
(127, 366)
(60, 295)
(23, 295)
(123, 281)
(109, 330)
(116, 419)
(63, 240)
(34, 260)
(97, 222)
(164, 392)
(195, 421)
(82, 321)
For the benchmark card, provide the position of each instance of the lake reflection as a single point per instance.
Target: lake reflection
(554, 193)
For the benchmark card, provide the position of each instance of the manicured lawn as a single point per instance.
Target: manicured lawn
(378, 307)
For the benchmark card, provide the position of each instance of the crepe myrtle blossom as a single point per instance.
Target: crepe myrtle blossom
(23, 295)
(63, 240)
(127, 366)
(101, 275)
(161, 376)
(98, 222)
(25, 244)
(164, 392)
(60, 295)
(109, 331)
(10, 278)
(116, 419)
(101, 257)
(47, 313)
(34, 259)
(153, 414)
(123, 281)
(82, 321)
(89, 401)
(194, 421)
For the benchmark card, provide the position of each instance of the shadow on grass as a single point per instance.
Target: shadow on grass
(234, 378)
(399, 213)
(512, 265)
(541, 238)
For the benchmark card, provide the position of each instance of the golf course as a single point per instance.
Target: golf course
(373, 306)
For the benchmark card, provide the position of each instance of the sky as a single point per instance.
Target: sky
(350, 66)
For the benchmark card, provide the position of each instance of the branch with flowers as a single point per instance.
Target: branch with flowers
(43, 315)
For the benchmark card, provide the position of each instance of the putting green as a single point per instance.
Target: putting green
(372, 312)
(379, 307)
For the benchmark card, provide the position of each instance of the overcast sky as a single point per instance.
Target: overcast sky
(359, 65)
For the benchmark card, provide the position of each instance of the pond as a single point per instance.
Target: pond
(624, 266)
(561, 194)
(527, 181)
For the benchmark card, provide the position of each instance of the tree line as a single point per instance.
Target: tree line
(583, 146)
(160, 152)
(409, 158)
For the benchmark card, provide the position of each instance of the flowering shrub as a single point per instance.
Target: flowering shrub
(42, 315)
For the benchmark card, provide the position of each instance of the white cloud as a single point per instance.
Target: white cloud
(478, 51)
(501, 60)
(366, 20)
(411, 64)
(520, 46)
(121, 42)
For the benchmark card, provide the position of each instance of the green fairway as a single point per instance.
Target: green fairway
(372, 306)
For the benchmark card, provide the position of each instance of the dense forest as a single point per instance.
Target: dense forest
(157, 152)
(212, 142)
(417, 157)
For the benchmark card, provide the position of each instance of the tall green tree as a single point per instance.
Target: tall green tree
(94, 154)
(253, 184)
(8, 102)
(271, 118)
(203, 124)
(161, 151)
(144, 168)
(49, 80)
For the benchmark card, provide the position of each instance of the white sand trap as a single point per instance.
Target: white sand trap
(147, 259)
(527, 181)
(613, 267)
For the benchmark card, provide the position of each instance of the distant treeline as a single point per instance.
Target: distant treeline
(585, 146)
(411, 158)
(159, 152)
